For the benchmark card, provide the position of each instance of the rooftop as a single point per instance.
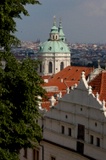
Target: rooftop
(99, 85)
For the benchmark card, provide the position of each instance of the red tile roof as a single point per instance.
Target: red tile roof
(46, 77)
(99, 85)
(68, 77)
(46, 105)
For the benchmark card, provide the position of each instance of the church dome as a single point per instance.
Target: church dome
(54, 54)
(56, 42)
(54, 47)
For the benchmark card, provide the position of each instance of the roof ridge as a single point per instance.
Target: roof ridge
(102, 80)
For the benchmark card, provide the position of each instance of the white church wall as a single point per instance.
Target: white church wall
(94, 151)
(60, 153)
(78, 108)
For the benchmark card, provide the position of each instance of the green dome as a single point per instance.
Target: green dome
(54, 47)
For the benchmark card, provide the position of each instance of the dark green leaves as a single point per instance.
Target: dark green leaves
(10, 9)
(20, 87)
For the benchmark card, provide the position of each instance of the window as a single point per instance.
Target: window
(25, 152)
(98, 142)
(80, 109)
(61, 65)
(62, 129)
(91, 139)
(69, 131)
(50, 67)
(81, 132)
(66, 116)
(95, 124)
(53, 158)
(35, 154)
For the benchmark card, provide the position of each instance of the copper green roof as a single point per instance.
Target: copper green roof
(54, 46)
(54, 29)
(61, 33)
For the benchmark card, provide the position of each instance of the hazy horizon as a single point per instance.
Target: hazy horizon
(82, 21)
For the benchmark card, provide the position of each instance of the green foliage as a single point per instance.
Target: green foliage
(20, 86)
(10, 9)
(6, 155)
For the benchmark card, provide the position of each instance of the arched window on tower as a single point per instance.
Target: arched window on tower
(53, 37)
(50, 67)
(41, 68)
(61, 66)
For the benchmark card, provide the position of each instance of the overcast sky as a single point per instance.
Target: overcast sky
(83, 21)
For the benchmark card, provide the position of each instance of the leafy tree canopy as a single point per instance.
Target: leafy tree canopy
(20, 86)
(10, 9)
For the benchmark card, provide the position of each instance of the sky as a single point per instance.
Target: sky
(83, 21)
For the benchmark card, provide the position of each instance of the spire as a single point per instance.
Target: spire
(54, 35)
(61, 33)
(54, 21)
(60, 24)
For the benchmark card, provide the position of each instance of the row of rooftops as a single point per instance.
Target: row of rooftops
(64, 81)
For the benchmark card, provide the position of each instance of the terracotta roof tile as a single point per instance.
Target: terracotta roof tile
(46, 105)
(71, 76)
(99, 85)
(68, 77)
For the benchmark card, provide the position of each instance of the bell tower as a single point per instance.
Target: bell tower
(54, 34)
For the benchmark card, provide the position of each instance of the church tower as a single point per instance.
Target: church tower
(54, 54)
(61, 33)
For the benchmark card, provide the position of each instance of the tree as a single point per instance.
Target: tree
(20, 86)
(10, 9)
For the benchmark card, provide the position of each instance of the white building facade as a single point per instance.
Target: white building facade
(76, 127)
